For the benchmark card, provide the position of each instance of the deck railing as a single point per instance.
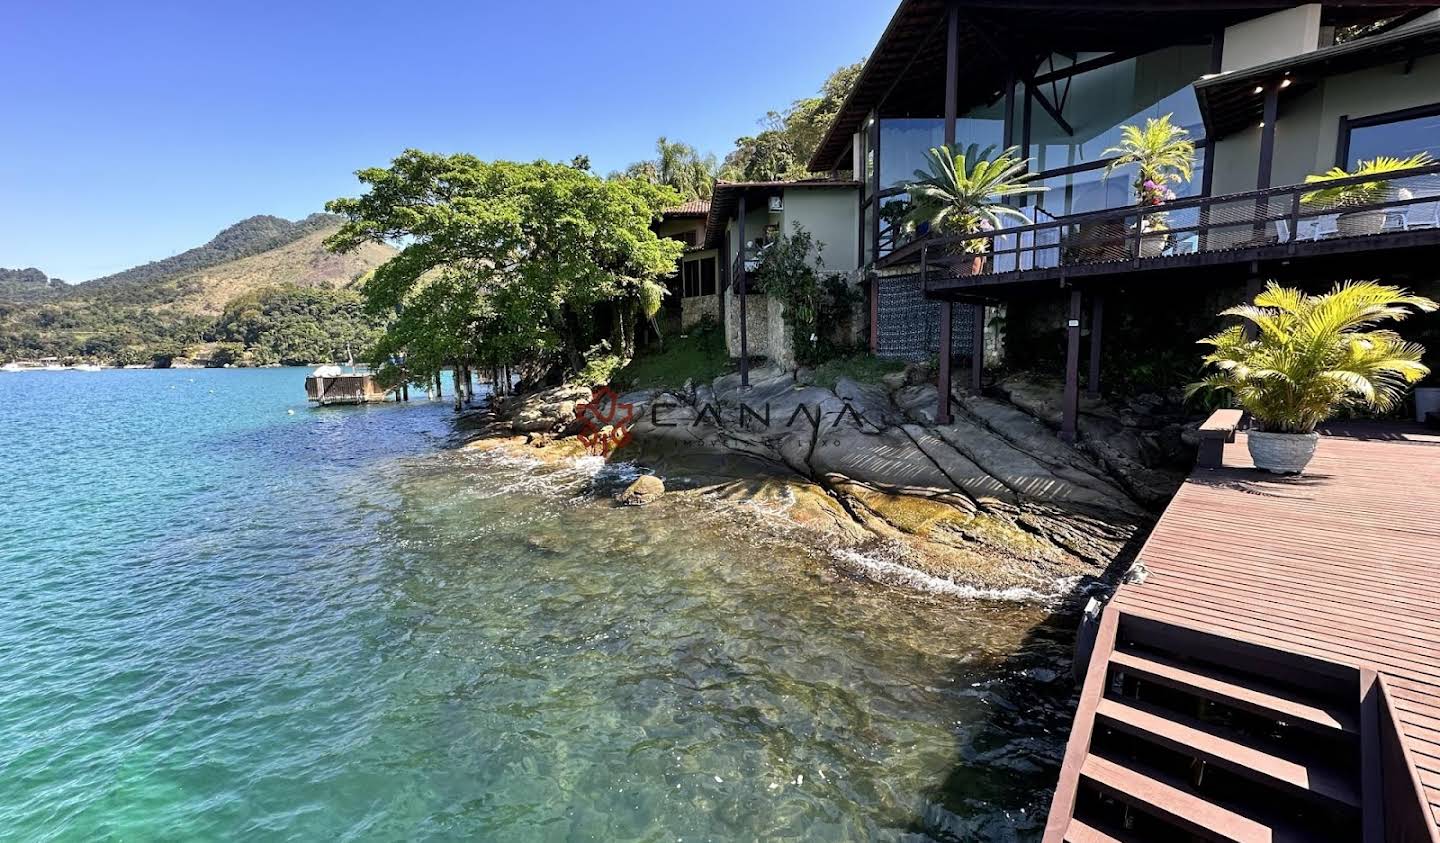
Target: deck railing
(1408, 200)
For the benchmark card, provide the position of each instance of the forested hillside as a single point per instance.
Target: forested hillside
(173, 307)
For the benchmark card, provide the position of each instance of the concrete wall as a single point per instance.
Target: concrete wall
(670, 227)
(1273, 37)
(1309, 126)
(832, 218)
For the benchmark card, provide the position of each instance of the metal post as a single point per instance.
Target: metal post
(1069, 423)
(1097, 321)
(741, 276)
(942, 410)
(977, 347)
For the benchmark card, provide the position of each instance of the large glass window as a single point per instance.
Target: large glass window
(1097, 103)
(1400, 135)
(904, 141)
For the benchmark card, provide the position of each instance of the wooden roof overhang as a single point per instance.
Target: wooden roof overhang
(1235, 101)
(905, 73)
(725, 201)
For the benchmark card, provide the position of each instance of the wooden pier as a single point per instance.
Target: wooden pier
(1276, 674)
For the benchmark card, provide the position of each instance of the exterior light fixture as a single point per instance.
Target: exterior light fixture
(1284, 83)
(1262, 124)
(1259, 89)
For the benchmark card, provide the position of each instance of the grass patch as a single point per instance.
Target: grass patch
(698, 355)
(858, 366)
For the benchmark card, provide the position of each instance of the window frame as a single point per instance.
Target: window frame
(1348, 124)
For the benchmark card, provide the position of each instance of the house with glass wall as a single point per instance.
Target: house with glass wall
(1269, 92)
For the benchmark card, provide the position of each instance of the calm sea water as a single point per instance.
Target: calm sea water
(222, 619)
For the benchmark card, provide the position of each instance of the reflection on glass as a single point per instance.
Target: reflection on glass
(1400, 139)
(1097, 103)
(904, 141)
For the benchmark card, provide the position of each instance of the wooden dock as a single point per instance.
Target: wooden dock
(1276, 674)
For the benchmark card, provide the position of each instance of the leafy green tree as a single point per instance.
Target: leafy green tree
(677, 165)
(502, 261)
(789, 137)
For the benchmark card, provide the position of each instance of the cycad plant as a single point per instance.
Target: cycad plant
(1312, 356)
(1163, 153)
(965, 191)
(1365, 192)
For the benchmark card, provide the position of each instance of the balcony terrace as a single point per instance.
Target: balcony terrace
(1278, 232)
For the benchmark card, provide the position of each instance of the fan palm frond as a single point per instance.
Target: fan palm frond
(964, 190)
(1162, 150)
(1315, 355)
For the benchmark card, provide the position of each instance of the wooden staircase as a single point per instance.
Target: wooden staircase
(1184, 735)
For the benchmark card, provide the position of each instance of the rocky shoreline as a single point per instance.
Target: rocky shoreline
(994, 500)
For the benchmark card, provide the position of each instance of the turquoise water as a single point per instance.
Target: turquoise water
(223, 620)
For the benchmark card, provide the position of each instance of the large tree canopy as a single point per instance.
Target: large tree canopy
(676, 165)
(789, 137)
(502, 261)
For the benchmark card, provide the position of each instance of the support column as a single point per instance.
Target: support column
(942, 410)
(952, 73)
(1097, 323)
(1267, 137)
(1071, 411)
(977, 347)
(741, 276)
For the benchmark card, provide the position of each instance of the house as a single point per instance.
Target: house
(1271, 92)
(694, 290)
(1265, 89)
(749, 216)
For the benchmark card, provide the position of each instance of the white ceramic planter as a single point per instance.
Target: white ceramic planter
(1153, 245)
(1360, 223)
(1281, 453)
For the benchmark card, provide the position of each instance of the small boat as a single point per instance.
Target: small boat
(86, 367)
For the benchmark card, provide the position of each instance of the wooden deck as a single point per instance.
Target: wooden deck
(1341, 565)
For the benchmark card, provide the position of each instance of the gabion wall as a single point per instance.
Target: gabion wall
(909, 324)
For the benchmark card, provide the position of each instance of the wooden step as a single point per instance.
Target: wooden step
(1079, 832)
(1206, 741)
(1255, 696)
(1191, 813)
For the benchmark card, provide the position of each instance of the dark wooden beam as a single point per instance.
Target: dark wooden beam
(1097, 323)
(1267, 136)
(1039, 96)
(942, 409)
(952, 73)
(1069, 424)
(743, 277)
(977, 348)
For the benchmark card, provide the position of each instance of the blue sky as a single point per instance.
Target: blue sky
(132, 131)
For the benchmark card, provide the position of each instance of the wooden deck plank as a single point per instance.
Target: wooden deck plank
(1342, 564)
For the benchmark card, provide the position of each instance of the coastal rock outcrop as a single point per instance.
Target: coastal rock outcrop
(646, 489)
(993, 499)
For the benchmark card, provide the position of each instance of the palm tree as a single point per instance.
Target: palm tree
(964, 191)
(1313, 356)
(1361, 193)
(1163, 151)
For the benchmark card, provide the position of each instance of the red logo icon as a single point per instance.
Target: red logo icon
(604, 422)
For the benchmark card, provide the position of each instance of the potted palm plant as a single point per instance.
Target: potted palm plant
(1365, 194)
(965, 192)
(1310, 357)
(1164, 155)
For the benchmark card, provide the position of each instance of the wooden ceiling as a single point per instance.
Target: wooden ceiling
(905, 73)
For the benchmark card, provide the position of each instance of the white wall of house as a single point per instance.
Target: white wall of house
(1309, 126)
(1276, 36)
(831, 217)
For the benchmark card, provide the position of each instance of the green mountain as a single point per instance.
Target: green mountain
(172, 306)
(28, 285)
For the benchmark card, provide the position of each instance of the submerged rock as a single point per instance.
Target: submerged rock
(646, 489)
